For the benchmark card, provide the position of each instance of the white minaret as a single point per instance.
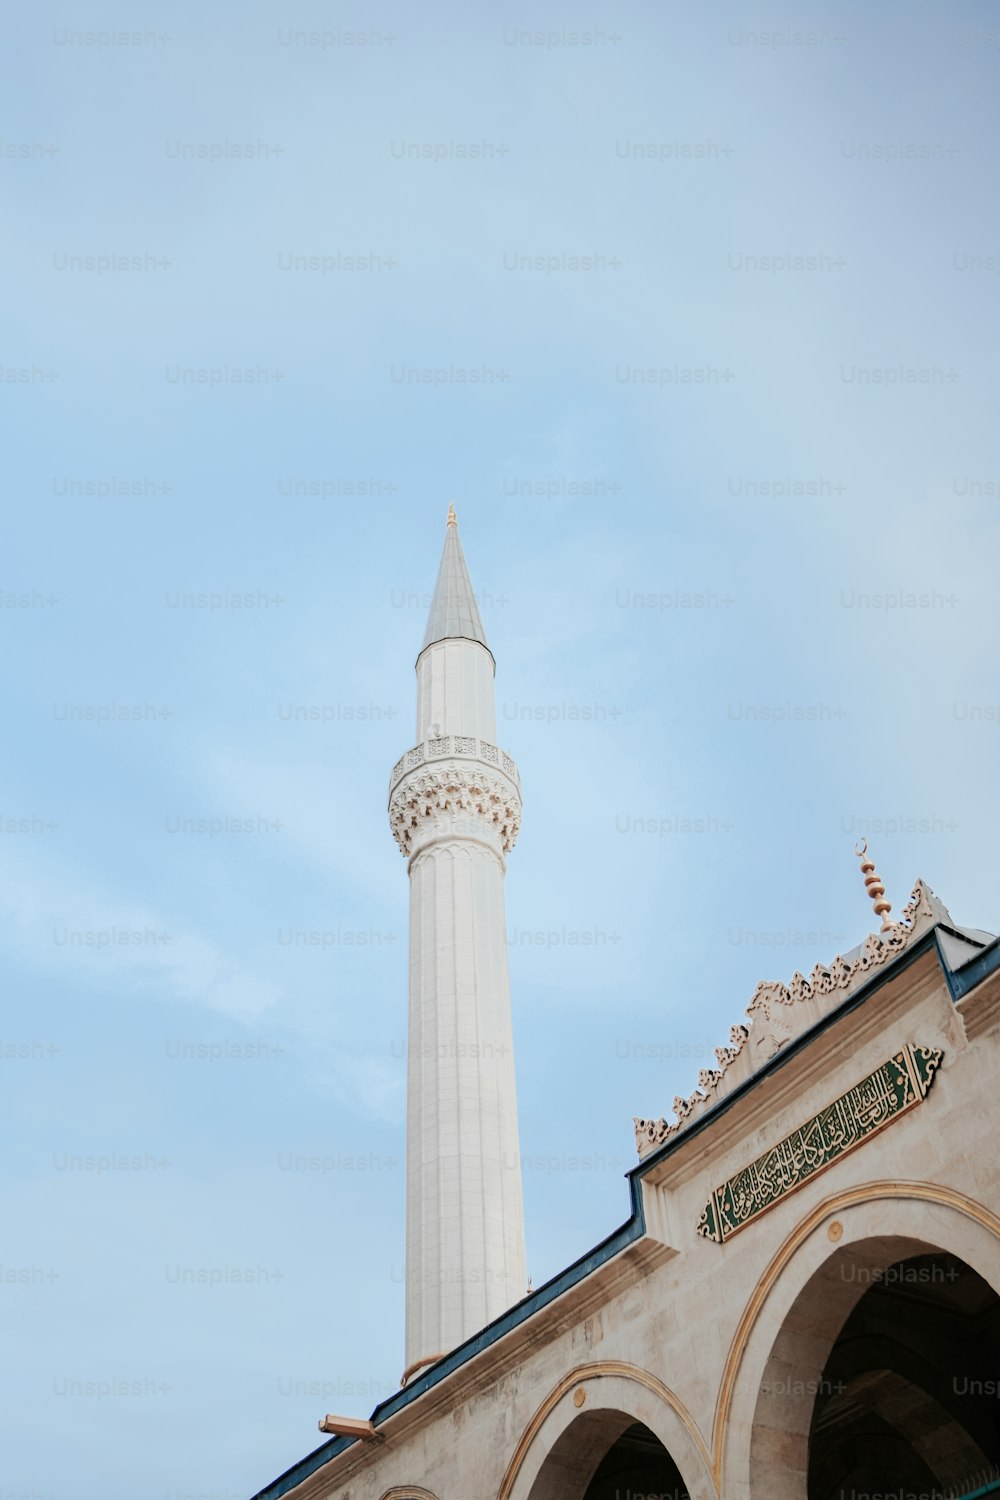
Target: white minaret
(455, 808)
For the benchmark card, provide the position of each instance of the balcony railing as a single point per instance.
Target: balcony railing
(445, 746)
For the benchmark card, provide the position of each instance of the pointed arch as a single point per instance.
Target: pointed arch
(615, 1395)
(887, 1214)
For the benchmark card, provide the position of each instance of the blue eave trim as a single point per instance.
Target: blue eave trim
(960, 983)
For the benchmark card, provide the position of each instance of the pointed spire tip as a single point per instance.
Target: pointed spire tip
(454, 611)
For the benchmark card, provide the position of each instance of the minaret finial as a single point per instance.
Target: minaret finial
(452, 518)
(873, 884)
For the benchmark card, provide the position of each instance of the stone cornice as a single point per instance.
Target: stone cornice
(439, 796)
(779, 1012)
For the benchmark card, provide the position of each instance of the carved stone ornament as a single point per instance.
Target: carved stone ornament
(779, 1012)
(453, 788)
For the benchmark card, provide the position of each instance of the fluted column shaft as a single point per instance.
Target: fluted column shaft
(464, 1227)
(455, 812)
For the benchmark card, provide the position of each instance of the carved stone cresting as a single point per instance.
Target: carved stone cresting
(779, 1012)
(455, 789)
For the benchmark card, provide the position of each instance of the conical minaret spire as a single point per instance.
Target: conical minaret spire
(455, 668)
(454, 612)
(454, 809)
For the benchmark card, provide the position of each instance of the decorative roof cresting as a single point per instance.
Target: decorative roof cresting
(779, 1012)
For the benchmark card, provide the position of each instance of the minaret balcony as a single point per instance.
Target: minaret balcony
(454, 746)
(455, 786)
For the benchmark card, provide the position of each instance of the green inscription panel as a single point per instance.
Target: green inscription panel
(894, 1087)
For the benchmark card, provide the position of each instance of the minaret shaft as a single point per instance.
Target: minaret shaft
(455, 810)
(455, 693)
(464, 1225)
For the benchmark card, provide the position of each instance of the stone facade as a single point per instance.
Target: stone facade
(719, 1349)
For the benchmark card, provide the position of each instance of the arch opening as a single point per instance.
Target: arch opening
(908, 1394)
(606, 1454)
(883, 1372)
(637, 1464)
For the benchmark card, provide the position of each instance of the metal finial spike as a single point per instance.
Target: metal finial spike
(452, 518)
(873, 885)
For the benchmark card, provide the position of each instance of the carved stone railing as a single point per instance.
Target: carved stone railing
(460, 746)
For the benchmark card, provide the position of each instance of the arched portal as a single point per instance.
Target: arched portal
(908, 1396)
(609, 1431)
(607, 1455)
(883, 1372)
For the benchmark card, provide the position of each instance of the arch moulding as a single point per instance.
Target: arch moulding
(879, 1223)
(612, 1390)
(408, 1492)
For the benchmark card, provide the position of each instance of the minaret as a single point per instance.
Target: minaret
(455, 808)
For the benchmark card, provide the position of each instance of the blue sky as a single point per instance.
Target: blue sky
(771, 388)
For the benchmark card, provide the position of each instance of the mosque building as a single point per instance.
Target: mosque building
(804, 1301)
